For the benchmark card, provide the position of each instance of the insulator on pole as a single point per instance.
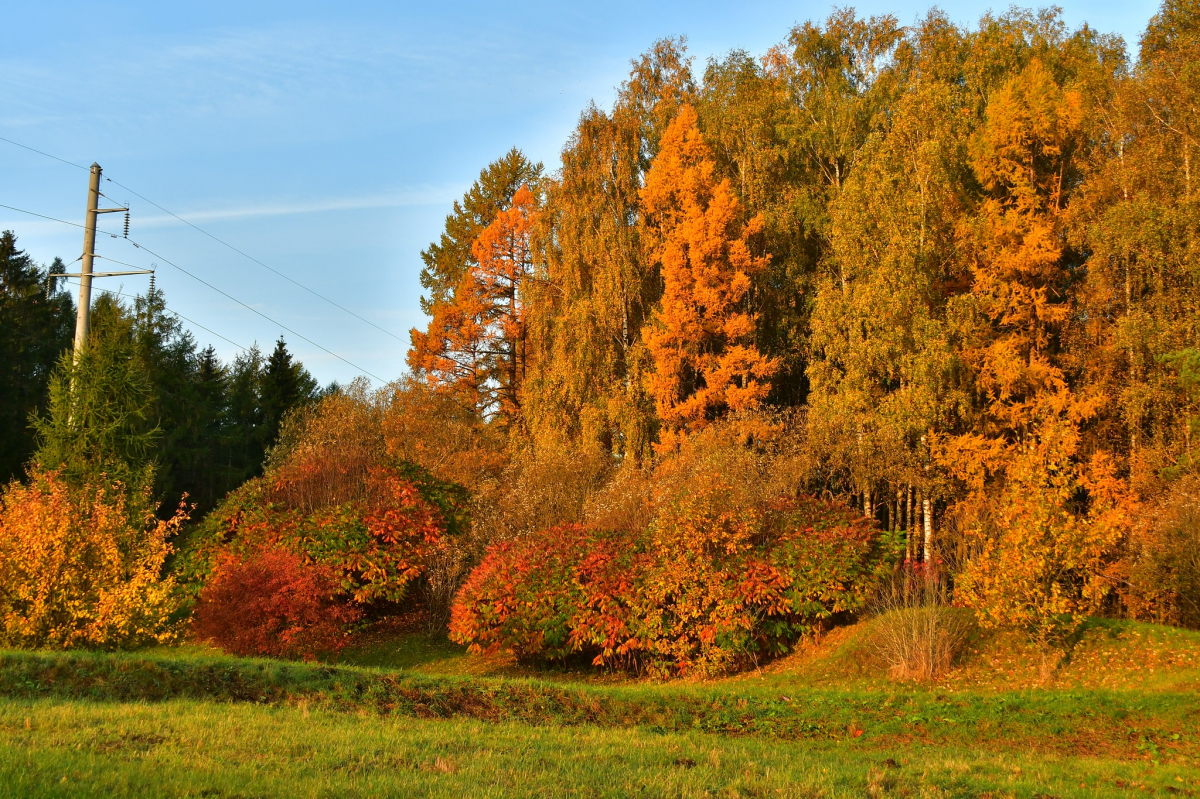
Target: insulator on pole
(126, 224)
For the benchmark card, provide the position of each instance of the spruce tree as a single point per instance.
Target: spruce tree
(285, 385)
(36, 323)
(242, 448)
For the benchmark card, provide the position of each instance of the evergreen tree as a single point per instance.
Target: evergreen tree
(285, 384)
(447, 260)
(209, 481)
(168, 353)
(36, 326)
(243, 449)
(100, 417)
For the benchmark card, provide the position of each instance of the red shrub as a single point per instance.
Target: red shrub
(707, 588)
(565, 590)
(275, 604)
(375, 546)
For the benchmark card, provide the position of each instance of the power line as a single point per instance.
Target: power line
(260, 313)
(173, 313)
(55, 219)
(39, 152)
(122, 263)
(214, 238)
(255, 260)
(223, 293)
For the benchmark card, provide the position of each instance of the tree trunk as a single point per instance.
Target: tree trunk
(909, 554)
(916, 531)
(928, 530)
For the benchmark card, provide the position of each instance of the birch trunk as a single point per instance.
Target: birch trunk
(928, 530)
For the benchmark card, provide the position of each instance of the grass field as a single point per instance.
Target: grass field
(411, 717)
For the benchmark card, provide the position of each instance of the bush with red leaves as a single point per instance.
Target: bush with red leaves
(565, 590)
(273, 603)
(708, 588)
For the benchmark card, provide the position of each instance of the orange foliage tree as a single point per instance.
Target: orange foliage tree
(475, 345)
(451, 354)
(702, 338)
(82, 566)
(1044, 526)
(1026, 155)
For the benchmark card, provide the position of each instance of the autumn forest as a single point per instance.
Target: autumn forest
(887, 337)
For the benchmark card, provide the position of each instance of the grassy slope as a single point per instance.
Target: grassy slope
(1123, 715)
(204, 749)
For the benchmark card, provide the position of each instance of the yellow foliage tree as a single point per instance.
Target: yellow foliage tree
(1041, 564)
(83, 566)
(1043, 525)
(702, 339)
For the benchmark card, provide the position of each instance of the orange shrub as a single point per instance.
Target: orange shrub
(428, 428)
(82, 566)
(326, 450)
(1040, 562)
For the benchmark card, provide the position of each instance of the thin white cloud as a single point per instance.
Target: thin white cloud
(417, 197)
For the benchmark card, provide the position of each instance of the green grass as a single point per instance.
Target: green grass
(824, 722)
(187, 748)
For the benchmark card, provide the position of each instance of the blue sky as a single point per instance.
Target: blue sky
(327, 140)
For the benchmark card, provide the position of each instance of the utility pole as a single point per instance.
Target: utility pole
(85, 270)
(85, 274)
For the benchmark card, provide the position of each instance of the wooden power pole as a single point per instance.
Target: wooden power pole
(85, 275)
(83, 313)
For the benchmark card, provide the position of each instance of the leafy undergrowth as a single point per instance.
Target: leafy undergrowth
(50, 748)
